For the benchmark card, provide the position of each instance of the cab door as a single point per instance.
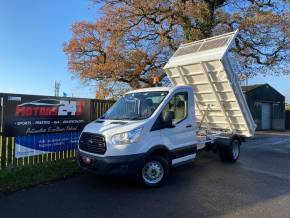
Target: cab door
(181, 137)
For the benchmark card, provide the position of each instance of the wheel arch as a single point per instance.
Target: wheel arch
(237, 137)
(160, 150)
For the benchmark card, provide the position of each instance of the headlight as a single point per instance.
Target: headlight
(126, 137)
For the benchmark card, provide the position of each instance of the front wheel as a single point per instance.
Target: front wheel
(154, 171)
(230, 153)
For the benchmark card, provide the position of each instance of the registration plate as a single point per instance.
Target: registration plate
(86, 160)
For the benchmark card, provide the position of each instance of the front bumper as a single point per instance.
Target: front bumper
(126, 164)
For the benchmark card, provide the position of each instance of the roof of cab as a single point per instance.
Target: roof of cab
(153, 89)
(159, 89)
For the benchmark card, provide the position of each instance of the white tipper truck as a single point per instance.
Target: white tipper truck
(148, 131)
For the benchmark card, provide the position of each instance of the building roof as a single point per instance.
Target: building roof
(251, 87)
(247, 89)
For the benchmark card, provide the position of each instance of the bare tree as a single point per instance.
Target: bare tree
(133, 39)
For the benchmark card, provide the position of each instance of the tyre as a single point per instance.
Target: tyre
(231, 152)
(154, 171)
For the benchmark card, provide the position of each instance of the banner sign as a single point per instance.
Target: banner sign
(26, 146)
(26, 115)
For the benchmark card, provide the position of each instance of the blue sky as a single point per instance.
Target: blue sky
(32, 33)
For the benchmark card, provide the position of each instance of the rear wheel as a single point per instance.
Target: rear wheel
(230, 153)
(154, 171)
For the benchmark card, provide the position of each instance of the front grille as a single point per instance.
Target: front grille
(93, 143)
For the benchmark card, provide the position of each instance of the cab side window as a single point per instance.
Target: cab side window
(178, 104)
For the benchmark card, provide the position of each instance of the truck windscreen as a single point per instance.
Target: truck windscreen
(135, 106)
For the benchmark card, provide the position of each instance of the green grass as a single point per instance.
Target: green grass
(19, 178)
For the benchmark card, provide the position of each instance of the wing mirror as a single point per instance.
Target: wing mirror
(168, 118)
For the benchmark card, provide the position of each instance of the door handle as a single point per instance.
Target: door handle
(189, 126)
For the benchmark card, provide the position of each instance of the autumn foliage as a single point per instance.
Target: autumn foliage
(133, 39)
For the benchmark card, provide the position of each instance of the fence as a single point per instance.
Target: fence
(8, 144)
